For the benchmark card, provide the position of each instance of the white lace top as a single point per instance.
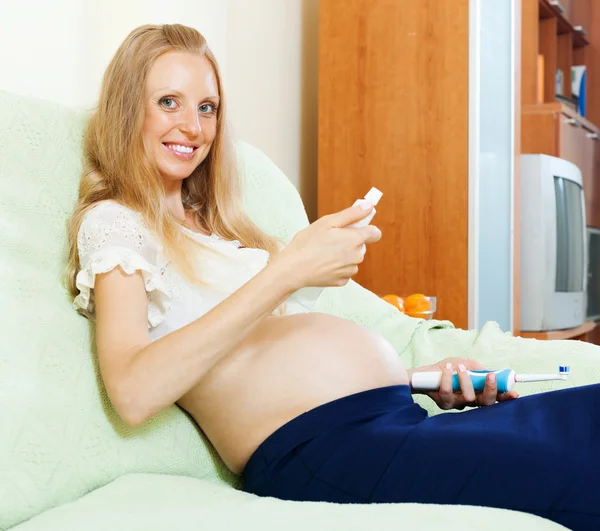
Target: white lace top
(113, 235)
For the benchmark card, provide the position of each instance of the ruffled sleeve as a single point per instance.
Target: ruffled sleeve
(113, 235)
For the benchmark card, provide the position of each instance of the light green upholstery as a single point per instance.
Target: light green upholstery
(145, 502)
(59, 437)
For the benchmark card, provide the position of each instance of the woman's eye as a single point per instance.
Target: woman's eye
(207, 108)
(168, 103)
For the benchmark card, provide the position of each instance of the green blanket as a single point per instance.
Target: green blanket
(60, 438)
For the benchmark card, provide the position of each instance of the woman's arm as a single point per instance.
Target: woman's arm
(142, 377)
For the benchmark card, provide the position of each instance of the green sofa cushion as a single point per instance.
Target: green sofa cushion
(141, 502)
(60, 438)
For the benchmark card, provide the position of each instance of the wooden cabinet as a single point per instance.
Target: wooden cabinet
(556, 35)
(576, 144)
(393, 113)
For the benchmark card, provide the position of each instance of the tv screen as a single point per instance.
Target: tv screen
(593, 286)
(570, 252)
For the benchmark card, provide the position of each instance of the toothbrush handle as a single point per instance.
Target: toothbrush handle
(505, 380)
(430, 381)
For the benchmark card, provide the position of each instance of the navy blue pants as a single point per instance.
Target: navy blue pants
(538, 454)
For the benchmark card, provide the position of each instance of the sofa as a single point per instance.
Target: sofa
(68, 462)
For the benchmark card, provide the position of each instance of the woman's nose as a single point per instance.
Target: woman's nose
(190, 123)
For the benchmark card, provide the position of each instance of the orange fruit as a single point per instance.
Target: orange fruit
(394, 300)
(417, 303)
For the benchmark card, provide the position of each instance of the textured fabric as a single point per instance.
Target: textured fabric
(60, 438)
(150, 502)
(378, 446)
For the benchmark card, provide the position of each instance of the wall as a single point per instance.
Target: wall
(267, 50)
(272, 81)
(63, 61)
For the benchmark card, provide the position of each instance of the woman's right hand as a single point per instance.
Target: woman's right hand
(327, 252)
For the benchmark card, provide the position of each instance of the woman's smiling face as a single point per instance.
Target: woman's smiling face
(180, 123)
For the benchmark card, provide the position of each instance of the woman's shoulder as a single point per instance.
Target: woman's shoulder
(110, 210)
(112, 222)
(110, 235)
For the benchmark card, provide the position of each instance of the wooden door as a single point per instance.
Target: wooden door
(393, 113)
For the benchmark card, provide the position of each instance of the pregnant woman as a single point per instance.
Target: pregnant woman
(195, 306)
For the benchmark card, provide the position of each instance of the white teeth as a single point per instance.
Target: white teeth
(182, 149)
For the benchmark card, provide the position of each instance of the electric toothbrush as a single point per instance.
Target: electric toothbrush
(505, 379)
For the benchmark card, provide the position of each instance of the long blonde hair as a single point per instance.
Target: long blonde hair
(116, 166)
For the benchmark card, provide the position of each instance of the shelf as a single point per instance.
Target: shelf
(558, 106)
(549, 10)
(579, 37)
(570, 333)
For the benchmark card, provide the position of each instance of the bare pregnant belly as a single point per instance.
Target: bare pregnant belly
(284, 367)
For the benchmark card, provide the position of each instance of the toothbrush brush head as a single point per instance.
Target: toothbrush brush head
(564, 370)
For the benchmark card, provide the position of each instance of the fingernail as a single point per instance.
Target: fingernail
(492, 377)
(461, 367)
(449, 366)
(365, 205)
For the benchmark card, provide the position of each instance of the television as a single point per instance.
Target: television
(553, 261)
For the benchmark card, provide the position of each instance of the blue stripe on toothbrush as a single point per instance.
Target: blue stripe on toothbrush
(478, 379)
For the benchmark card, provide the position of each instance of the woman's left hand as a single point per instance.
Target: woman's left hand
(445, 398)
